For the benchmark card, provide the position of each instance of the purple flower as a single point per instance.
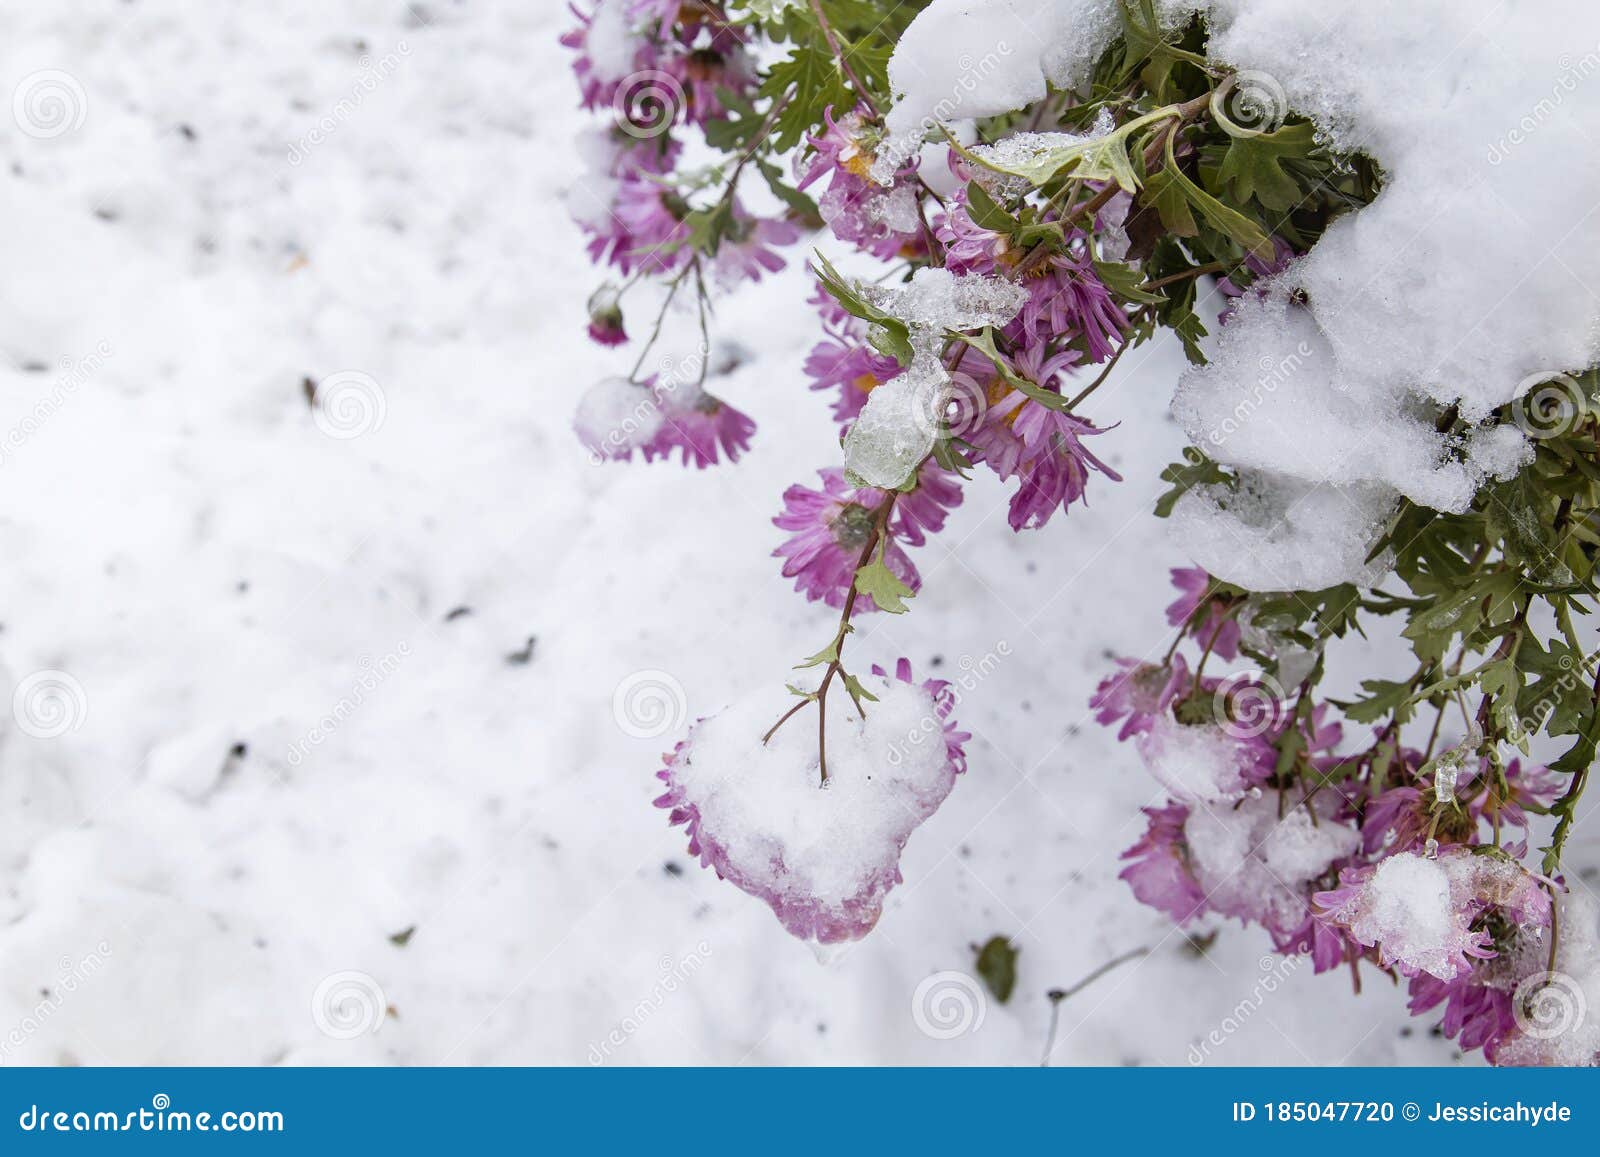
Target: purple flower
(1065, 296)
(723, 787)
(1423, 914)
(831, 528)
(700, 426)
(747, 251)
(1159, 875)
(1325, 943)
(922, 510)
(1475, 1015)
(1217, 629)
(1044, 448)
(617, 417)
(844, 361)
(1138, 693)
(607, 49)
(885, 222)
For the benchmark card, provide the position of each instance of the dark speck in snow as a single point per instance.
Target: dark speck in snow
(457, 613)
(525, 656)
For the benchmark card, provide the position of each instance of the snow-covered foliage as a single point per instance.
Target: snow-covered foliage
(1392, 416)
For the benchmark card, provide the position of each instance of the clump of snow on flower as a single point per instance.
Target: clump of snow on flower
(1255, 865)
(1196, 764)
(897, 426)
(1428, 297)
(823, 857)
(1431, 294)
(960, 60)
(1418, 910)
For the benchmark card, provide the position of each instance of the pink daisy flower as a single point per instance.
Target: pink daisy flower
(1217, 629)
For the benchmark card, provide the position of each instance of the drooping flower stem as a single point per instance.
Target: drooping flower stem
(835, 651)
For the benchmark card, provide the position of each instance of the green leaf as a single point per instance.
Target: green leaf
(1164, 194)
(1253, 166)
(1125, 282)
(1195, 470)
(857, 691)
(887, 334)
(884, 586)
(983, 342)
(1089, 158)
(798, 203)
(997, 965)
(1385, 697)
(1225, 220)
(828, 654)
(986, 211)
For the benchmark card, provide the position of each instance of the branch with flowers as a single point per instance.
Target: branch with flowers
(1016, 265)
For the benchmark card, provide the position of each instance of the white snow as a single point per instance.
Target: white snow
(960, 60)
(1558, 1012)
(1462, 283)
(1278, 532)
(185, 541)
(787, 833)
(1248, 859)
(615, 415)
(1198, 763)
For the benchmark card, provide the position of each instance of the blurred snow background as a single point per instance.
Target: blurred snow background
(338, 776)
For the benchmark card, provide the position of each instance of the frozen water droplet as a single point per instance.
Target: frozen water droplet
(1431, 848)
(1444, 780)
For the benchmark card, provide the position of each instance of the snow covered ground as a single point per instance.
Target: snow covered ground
(339, 778)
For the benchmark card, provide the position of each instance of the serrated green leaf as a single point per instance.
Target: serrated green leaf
(887, 591)
(1253, 166)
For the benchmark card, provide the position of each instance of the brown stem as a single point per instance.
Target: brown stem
(837, 49)
(880, 523)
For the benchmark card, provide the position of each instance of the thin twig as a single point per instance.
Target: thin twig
(1057, 995)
